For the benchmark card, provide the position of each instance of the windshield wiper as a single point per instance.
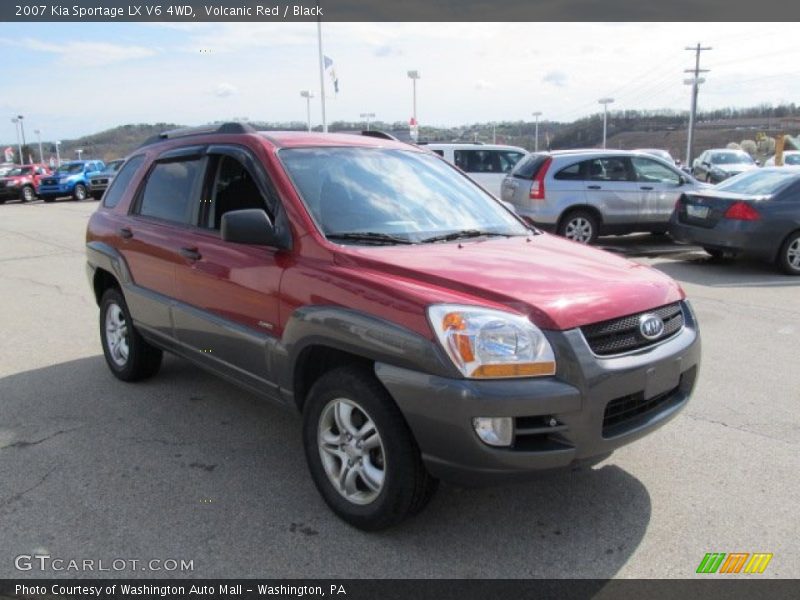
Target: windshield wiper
(368, 236)
(463, 234)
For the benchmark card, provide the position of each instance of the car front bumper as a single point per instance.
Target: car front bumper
(61, 189)
(439, 411)
(10, 193)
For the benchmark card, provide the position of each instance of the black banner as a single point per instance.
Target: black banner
(730, 588)
(390, 10)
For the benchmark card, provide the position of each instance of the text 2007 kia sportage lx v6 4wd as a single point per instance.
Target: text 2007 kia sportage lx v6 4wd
(423, 330)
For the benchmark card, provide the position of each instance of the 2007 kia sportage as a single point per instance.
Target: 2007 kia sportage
(422, 329)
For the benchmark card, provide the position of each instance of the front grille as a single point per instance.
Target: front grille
(625, 412)
(49, 181)
(617, 336)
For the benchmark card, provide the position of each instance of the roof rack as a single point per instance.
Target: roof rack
(232, 127)
(380, 135)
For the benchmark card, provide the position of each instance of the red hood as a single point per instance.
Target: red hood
(560, 284)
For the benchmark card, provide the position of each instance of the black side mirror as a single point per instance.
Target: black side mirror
(249, 226)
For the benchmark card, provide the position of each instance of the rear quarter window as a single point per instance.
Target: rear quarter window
(570, 173)
(529, 166)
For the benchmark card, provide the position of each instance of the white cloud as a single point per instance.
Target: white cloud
(482, 84)
(86, 54)
(224, 90)
(556, 78)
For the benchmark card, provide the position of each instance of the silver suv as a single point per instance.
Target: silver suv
(583, 193)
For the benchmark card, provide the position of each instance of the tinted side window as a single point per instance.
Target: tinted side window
(653, 172)
(508, 159)
(528, 166)
(571, 172)
(122, 181)
(233, 189)
(439, 152)
(169, 191)
(609, 169)
(478, 161)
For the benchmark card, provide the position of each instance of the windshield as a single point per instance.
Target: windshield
(731, 158)
(70, 168)
(758, 183)
(408, 195)
(19, 171)
(113, 166)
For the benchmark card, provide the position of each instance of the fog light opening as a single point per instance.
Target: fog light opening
(494, 431)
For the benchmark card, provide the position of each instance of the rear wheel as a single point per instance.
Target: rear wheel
(128, 355)
(789, 256)
(27, 194)
(715, 253)
(48, 198)
(79, 193)
(579, 226)
(361, 454)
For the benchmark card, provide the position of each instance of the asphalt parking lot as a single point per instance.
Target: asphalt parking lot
(186, 466)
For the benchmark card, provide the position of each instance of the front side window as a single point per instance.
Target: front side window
(233, 189)
(478, 161)
(650, 171)
(169, 191)
(405, 194)
(121, 182)
(70, 169)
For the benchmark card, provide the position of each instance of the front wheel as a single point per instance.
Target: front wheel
(128, 355)
(79, 193)
(789, 256)
(579, 226)
(361, 454)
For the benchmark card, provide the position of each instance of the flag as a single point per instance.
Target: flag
(328, 62)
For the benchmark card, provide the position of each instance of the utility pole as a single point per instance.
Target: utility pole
(605, 102)
(414, 130)
(15, 121)
(39, 137)
(321, 75)
(367, 116)
(536, 116)
(308, 96)
(695, 83)
(22, 129)
(58, 153)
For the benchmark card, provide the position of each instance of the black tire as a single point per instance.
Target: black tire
(2, 201)
(715, 253)
(48, 198)
(142, 360)
(27, 194)
(79, 193)
(578, 221)
(407, 487)
(97, 195)
(788, 257)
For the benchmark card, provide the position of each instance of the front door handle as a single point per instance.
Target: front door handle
(646, 187)
(191, 253)
(125, 232)
(594, 187)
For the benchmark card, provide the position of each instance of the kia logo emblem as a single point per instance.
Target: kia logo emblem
(651, 326)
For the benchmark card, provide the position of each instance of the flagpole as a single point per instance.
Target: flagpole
(321, 75)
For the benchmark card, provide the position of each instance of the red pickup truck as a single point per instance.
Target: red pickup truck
(22, 182)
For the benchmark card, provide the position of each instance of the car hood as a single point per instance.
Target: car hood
(735, 169)
(558, 283)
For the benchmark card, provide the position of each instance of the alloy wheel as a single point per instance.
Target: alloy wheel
(578, 229)
(793, 254)
(351, 450)
(117, 335)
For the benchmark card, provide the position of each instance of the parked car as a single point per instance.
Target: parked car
(420, 327)
(582, 194)
(101, 181)
(5, 168)
(663, 154)
(791, 158)
(22, 182)
(488, 164)
(753, 214)
(70, 179)
(718, 164)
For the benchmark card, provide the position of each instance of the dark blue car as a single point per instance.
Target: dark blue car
(70, 179)
(754, 214)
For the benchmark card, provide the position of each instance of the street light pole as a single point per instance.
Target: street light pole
(536, 116)
(22, 129)
(367, 116)
(321, 76)
(38, 133)
(15, 121)
(58, 154)
(605, 102)
(414, 75)
(308, 96)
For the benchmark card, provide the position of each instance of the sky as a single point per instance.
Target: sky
(74, 79)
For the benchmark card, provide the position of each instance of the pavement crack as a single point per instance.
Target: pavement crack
(27, 444)
(19, 495)
(696, 417)
(139, 440)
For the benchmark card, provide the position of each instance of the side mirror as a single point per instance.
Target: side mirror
(758, 163)
(249, 226)
(682, 180)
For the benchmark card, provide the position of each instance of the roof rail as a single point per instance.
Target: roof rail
(232, 127)
(379, 134)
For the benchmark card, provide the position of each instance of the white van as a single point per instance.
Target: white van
(488, 164)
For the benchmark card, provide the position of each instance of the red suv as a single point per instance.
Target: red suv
(421, 328)
(22, 182)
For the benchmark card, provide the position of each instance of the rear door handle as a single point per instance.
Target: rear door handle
(646, 187)
(125, 232)
(191, 253)
(594, 187)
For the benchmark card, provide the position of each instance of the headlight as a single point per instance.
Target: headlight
(64, 180)
(486, 343)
